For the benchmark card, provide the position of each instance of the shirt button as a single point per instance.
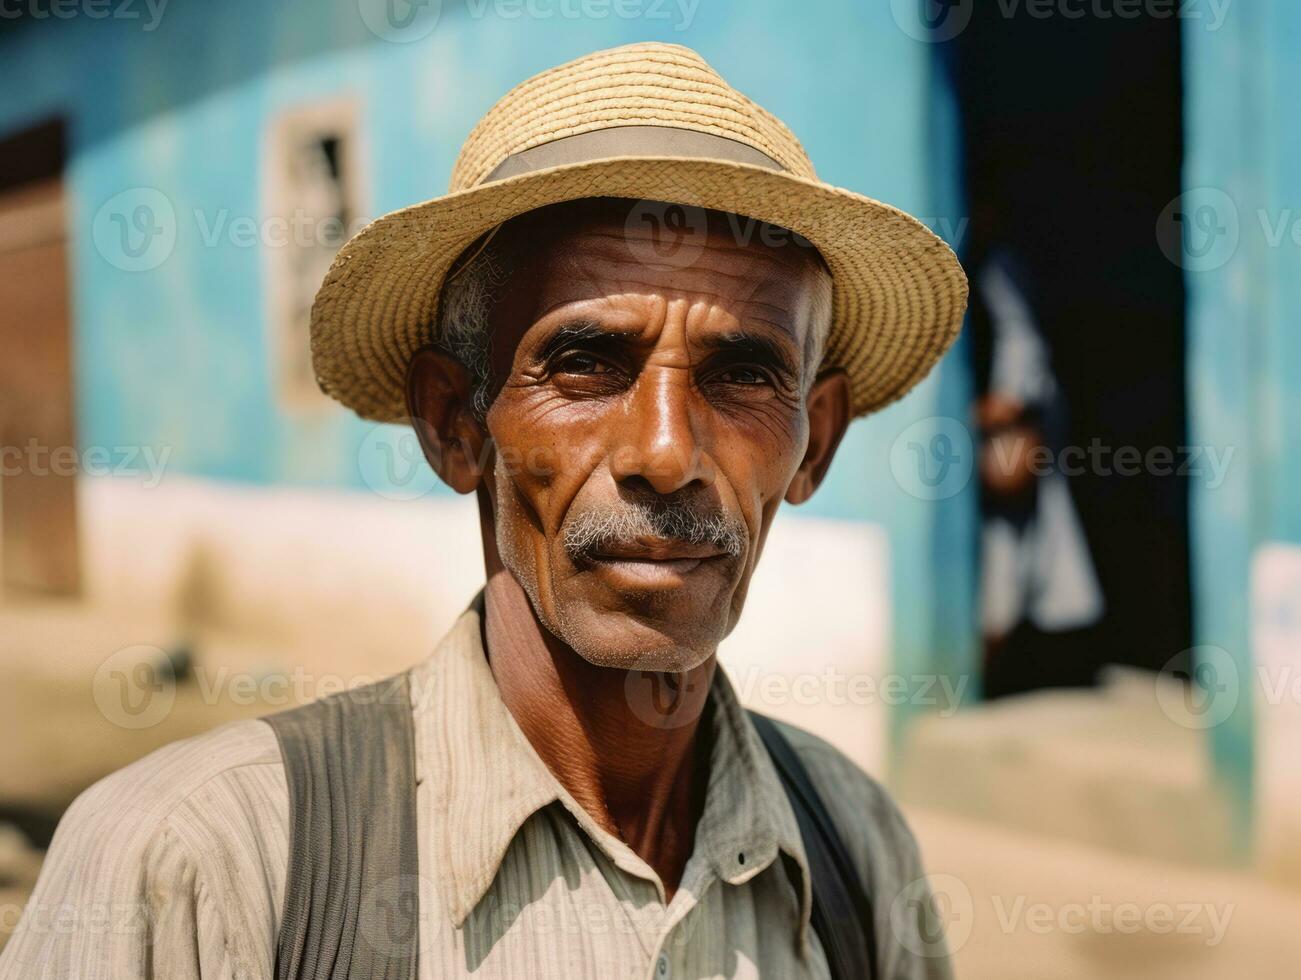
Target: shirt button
(662, 967)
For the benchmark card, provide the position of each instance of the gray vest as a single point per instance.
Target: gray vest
(351, 909)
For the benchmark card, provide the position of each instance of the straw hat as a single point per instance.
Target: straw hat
(651, 122)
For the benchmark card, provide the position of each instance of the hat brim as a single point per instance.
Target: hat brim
(899, 292)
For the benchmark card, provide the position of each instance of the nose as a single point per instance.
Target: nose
(661, 445)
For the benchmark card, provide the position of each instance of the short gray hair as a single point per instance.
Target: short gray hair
(815, 347)
(464, 319)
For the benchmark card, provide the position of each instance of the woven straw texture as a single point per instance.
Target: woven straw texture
(899, 293)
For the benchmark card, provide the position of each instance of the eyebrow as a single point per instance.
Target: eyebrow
(756, 345)
(571, 332)
(759, 346)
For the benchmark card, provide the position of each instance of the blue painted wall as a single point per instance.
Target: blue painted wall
(1243, 270)
(178, 356)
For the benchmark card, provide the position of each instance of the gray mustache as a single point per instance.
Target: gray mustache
(590, 531)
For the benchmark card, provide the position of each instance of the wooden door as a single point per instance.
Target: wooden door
(38, 448)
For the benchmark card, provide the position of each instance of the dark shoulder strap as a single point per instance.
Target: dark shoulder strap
(842, 911)
(350, 909)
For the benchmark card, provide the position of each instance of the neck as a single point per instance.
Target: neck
(595, 728)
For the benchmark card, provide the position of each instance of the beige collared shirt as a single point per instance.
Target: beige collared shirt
(174, 867)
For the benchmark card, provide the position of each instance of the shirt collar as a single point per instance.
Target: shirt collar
(489, 780)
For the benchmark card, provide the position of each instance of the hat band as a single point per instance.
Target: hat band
(629, 141)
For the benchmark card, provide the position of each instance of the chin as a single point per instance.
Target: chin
(665, 659)
(625, 640)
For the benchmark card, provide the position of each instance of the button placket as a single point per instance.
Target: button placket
(663, 969)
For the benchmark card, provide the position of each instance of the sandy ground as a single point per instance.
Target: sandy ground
(1021, 907)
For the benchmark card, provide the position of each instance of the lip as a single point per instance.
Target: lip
(647, 574)
(658, 550)
(653, 565)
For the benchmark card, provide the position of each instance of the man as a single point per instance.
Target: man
(608, 334)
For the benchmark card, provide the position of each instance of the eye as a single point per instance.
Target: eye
(581, 362)
(743, 374)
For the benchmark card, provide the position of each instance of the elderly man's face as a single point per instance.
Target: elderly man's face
(648, 418)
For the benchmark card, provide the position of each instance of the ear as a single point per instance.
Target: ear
(439, 401)
(828, 408)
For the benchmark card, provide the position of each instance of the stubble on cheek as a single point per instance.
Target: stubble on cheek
(522, 546)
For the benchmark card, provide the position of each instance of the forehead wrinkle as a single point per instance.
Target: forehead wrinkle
(612, 318)
(598, 266)
(699, 304)
(739, 323)
(596, 250)
(629, 280)
(614, 246)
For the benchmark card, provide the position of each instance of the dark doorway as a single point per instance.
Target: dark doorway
(38, 486)
(1071, 120)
